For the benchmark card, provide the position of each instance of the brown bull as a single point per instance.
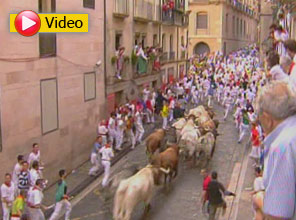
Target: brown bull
(168, 160)
(154, 141)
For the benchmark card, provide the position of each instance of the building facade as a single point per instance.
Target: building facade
(52, 91)
(145, 23)
(224, 25)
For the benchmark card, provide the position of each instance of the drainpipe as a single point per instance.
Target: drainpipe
(105, 47)
(177, 54)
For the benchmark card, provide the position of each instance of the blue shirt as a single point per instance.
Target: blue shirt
(96, 147)
(280, 170)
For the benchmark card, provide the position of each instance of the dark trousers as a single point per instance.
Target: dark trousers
(213, 209)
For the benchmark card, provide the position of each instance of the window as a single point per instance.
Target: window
(226, 23)
(118, 39)
(241, 27)
(171, 43)
(89, 86)
(233, 25)
(47, 41)
(137, 38)
(163, 43)
(143, 42)
(237, 26)
(155, 40)
(49, 105)
(244, 28)
(201, 21)
(89, 4)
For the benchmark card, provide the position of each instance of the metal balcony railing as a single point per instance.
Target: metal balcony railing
(174, 17)
(164, 57)
(172, 55)
(121, 7)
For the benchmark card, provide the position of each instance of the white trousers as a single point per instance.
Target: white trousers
(243, 130)
(6, 211)
(171, 115)
(227, 109)
(139, 132)
(119, 139)
(164, 122)
(209, 100)
(112, 136)
(15, 218)
(95, 161)
(61, 207)
(150, 116)
(255, 153)
(132, 138)
(107, 165)
(36, 214)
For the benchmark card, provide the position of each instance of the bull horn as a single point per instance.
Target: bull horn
(165, 171)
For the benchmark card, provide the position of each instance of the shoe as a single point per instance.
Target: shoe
(133, 147)
(238, 142)
(119, 149)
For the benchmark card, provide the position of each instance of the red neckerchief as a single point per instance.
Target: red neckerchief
(7, 184)
(291, 68)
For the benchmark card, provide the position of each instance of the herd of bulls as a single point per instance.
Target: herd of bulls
(195, 140)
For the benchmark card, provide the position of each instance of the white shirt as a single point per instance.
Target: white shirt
(111, 124)
(146, 93)
(138, 120)
(102, 130)
(34, 176)
(16, 171)
(35, 196)
(107, 153)
(32, 157)
(8, 192)
(258, 184)
(277, 73)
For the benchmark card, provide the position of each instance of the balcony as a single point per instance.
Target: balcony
(121, 9)
(174, 17)
(164, 57)
(172, 55)
(199, 2)
(143, 11)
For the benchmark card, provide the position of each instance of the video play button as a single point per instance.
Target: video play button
(27, 23)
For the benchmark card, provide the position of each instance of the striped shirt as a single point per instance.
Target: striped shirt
(280, 170)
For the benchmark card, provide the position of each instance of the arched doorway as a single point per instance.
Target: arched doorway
(201, 48)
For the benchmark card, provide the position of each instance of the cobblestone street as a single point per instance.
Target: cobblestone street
(182, 199)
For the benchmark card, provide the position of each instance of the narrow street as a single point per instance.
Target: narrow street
(182, 199)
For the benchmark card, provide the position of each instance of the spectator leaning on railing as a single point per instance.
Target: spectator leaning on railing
(276, 110)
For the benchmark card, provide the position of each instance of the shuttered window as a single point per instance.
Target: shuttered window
(89, 4)
(49, 105)
(202, 21)
(89, 86)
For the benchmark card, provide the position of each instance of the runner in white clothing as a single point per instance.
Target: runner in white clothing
(7, 196)
(106, 154)
(17, 169)
(34, 155)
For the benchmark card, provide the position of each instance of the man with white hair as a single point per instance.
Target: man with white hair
(276, 110)
(285, 63)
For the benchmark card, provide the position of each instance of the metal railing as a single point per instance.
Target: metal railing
(174, 17)
(172, 55)
(164, 57)
(121, 7)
